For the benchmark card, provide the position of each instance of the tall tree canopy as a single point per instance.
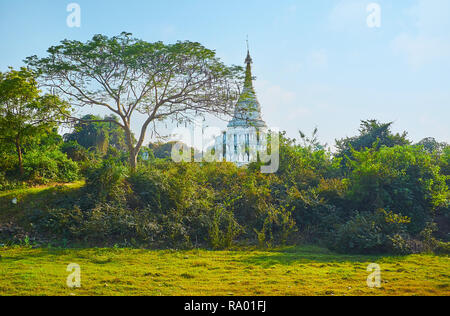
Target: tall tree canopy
(24, 113)
(372, 133)
(129, 76)
(431, 145)
(91, 132)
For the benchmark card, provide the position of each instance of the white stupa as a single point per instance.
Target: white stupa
(246, 132)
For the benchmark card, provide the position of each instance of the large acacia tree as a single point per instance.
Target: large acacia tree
(128, 76)
(24, 111)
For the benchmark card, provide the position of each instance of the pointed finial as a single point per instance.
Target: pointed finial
(248, 60)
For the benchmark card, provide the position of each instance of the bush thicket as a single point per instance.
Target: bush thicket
(378, 199)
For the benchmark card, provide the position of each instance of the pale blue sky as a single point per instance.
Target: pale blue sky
(317, 63)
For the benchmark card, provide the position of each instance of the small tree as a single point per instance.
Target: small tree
(127, 76)
(24, 114)
(431, 145)
(97, 135)
(371, 133)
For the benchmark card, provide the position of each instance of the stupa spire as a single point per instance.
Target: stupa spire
(248, 60)
(248, 109)
(248, 73)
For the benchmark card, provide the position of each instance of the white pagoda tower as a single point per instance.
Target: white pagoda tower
(245, 136)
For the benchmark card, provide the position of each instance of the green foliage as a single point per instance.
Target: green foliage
(75, 151)
(98, 134)
(8, 183)
(304, 166)
(445, 162)
(424, 243)
(369, 232)
(105, 182)
(315, 213)
(443, 248)
(372, 134)
(45, 166)
(277, 228)
(170, 205)
(64, 223)
(430, 243)
(133, 76)
(161, 150)
(431, 145)
(24, 113)
(29, 140)
(224, 229)
(311, 199)
(404, 179)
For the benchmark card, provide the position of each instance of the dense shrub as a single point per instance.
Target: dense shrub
(443, 248)
(11, 233)
(170, 205)
(425, 243)
(310, 213)
(105, 181)
(59, 224)
(369, 233)
(223, 227)
(305, 166)
(404, 179)
(372, 134)
(75, 151)
(52, 165)
(180, 202)
(278, 227)
(311, 199)
(8, 162)
(9, 183)
(102, 225)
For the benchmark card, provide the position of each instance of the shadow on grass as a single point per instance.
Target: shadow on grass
(269, 258)
(94, 255)
(307, 255)
(32, 198)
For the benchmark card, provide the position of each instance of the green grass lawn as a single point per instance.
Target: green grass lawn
(290, 271)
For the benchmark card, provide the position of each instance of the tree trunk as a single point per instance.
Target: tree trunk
(20, 156)
(133, 160)
(133, 152)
